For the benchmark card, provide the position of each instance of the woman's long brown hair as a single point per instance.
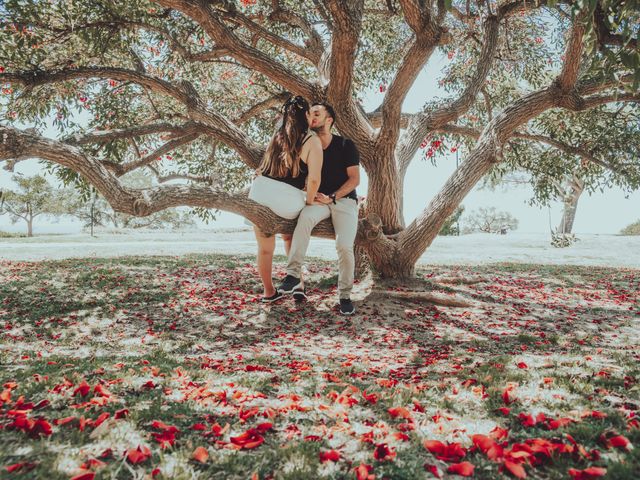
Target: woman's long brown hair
(283, 153)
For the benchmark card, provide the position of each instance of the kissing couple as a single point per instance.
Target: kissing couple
(310, 174)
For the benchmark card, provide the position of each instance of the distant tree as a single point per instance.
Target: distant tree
(86, 204)
(585, 152)
(451, 225)
(633, 229)
(490, 220)
(34, 197)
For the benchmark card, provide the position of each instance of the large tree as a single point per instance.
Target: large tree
(187, 87)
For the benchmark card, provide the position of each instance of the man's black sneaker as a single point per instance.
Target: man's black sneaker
(346, 307)
(289, 284)
(272, 298)
(300, 294)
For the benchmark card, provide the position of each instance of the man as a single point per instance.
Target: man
(337, 199)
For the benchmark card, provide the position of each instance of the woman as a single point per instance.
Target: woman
(292, 161)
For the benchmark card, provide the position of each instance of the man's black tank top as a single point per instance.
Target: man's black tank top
(299, 181)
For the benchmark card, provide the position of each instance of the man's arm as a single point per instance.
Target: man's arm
(352, 182)
(314, 164)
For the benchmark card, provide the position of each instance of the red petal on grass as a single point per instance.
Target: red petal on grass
(588, 473)
(84, 476)
(400, 412)
(83, 389)
(516, 469)
(249, 439)
(17, 467)
(434, 446)
(383, 452)
(504, 410)
(138, 455)
(363, 472)
(265, 427)
(92, 463)
(527, 420)
(464, 469)
(121, 414)
(108, 453)
(198, 426)
(620, 441)
(200, 454)
(165, 439)
(488, 446)
(401, 436)
(370, 397)
(522, 365)
(506, 397)
(100, 420)
(499, 433)
(596, 414)
(41, 427)
(163, 426)
(451, 452)
(329, 456)
(5, 396)
(433, 470)
(63, 421)
(558, 423)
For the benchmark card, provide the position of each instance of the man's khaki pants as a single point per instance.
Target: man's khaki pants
(344, 216)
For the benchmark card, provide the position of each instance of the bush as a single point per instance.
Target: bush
(562, 240)
(11, 235)
(451, 224)
(633, 229)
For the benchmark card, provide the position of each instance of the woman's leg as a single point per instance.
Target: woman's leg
(266, 246)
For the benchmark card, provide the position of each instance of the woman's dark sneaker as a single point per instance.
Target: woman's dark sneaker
(300, 294)
(346, 307)
(289, 284)
(272, 298)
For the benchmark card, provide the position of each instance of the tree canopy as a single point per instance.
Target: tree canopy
(189, 90)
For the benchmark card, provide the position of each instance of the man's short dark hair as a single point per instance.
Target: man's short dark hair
(329, 109)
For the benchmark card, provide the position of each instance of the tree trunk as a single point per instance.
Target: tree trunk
(30, 227)
(383, 197)
(570, 206)
(389, 264)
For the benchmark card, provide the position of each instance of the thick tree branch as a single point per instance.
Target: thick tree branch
(572, 150)
(124, 168)
(206, 15)
(347, 24)
(258, 108)
(427, 35)
(282, 15)
(120, 133)
(209, 180)
(35, 78)
(573, 55)
(19, 145)
(214, 123)
(423, 123)
(260, 31)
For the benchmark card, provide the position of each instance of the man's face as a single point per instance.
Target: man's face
(319, 118)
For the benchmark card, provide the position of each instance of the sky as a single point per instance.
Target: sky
(604, 213)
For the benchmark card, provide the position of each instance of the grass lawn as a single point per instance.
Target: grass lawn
(163, 367)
